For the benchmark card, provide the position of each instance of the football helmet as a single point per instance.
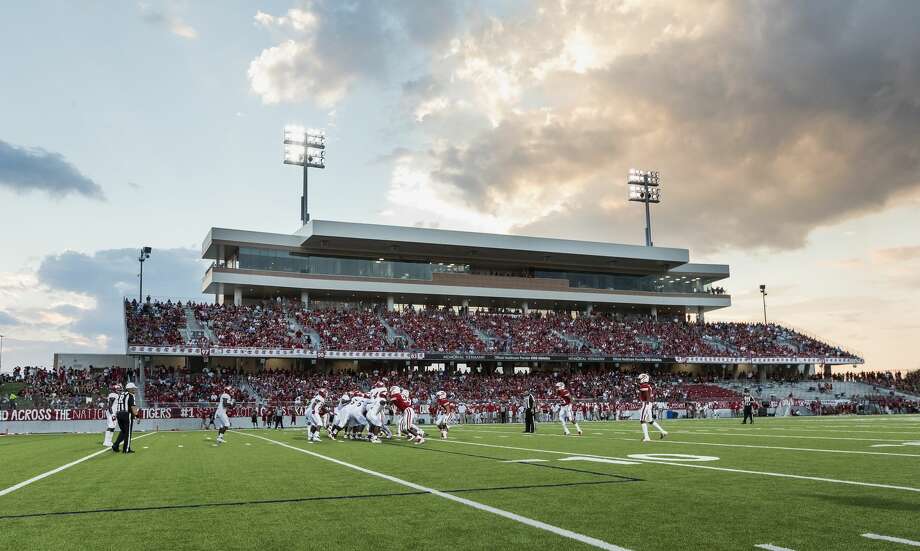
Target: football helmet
(560, 385)
(441, 394)
(643, 378)
(394, 390)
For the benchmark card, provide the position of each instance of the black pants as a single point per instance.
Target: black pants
(748, 414)
(125, 424)
(278, 424)
(529, 425)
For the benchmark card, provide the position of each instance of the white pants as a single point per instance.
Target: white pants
(374, 415)
(110, 421)
(314, 419)
(645, 414)
(442, 419)
(221, 421)
(352, 416)
(408, 420)
(565, 414)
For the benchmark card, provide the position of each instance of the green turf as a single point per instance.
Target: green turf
(254, 494)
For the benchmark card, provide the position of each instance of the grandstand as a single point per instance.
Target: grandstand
(344, 291)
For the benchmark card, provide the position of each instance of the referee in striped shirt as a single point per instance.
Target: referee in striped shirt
(125, 411)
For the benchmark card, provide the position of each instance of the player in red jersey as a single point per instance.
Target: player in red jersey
(565, 410)
(400, 400)
(646, 415)
(443, 411)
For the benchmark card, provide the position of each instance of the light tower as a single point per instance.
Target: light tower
(643, 188)
(304, 147)
(145, 254)
(763, 295)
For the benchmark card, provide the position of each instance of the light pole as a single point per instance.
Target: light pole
(1, 353)
(643, 188)
(145, 254)
(763, 294)
(306, 148)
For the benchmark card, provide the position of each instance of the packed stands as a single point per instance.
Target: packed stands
(40, 387)
(286, 325)
(155, 323)
(171, 386)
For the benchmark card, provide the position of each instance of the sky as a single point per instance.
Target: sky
(787, 135)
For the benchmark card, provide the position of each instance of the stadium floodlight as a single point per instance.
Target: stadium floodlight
(763, 295)
(145, 254)
(643, 188)
(304, 147)
(1, 353)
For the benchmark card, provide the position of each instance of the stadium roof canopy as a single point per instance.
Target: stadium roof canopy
(374, 240)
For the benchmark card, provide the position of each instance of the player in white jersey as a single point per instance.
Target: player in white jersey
(315, 415)
(110, 421)
(221, 420)
(373, 411)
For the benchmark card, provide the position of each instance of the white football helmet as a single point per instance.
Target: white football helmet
(560, 385)
(441, 394)
(643, 378)
(405, 393)
(394, 390)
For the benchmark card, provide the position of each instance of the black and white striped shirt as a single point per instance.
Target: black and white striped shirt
(125, 402)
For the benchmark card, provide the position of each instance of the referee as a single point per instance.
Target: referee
(125, 411)
(530, 409)
(748, 402)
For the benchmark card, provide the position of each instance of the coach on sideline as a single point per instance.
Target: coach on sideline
(125, 411)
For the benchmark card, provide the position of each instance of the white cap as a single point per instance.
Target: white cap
(130, 386)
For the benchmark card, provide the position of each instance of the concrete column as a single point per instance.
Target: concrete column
(525, 307)
(391, 303)
(700, 314)
(305, 299)
(465, 303)
(237, 296)
(654, 313)
(219, 297)
(588, 309)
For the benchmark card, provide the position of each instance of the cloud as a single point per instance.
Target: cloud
(765, 119)
(896, 254)
(109, 275)
(6, 319)
(163, 17)
(326, 47)
(25, 169)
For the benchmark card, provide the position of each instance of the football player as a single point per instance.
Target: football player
(221, 420)
(315, 415)
(400, 399)
(110, 422)
(565, 408)
(443, 410)
(646, 414)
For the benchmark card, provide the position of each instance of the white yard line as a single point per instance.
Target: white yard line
(25, 483)
(588, 540)
(771, 547)
(697, 466)
(809, 437)
(717, 444)
(892, 539)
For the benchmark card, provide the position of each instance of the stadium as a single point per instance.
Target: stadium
(470, 352)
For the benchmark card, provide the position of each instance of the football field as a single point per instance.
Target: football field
(794, 483)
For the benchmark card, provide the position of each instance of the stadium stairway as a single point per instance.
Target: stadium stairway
(194, 329)
(393, 333)
(295, 326)
(574, 342)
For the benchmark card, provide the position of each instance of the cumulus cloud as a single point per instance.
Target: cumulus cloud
(6, 319)
(767, 120)
(326, 47)
(25, 169)
(109, 275)
(166, 18)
